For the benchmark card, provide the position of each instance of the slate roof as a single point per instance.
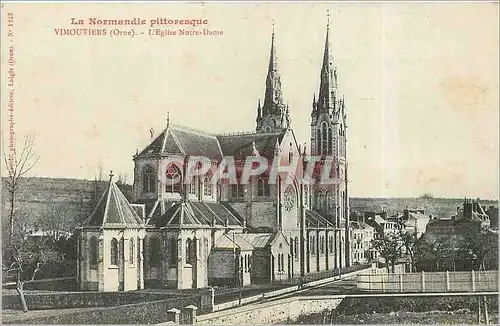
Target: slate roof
(113, 211)
(193, 213)
(245, 241)
(258, 240)
(315, 220)
(225, 241)
(365, 226)
(184, 141)
(241, 145)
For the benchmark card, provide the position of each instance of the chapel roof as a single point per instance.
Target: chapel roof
(242, 145)
(180, 140)
(194, 213)
(113, 211)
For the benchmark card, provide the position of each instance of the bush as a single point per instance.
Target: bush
(40, 301)
(351, 306)
(139, 313)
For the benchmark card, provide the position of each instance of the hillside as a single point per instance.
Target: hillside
(56, 202)
(439, 207)
(66, 203)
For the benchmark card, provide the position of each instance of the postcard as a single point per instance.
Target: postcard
(250, 162)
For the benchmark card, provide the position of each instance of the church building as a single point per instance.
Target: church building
(196, 233)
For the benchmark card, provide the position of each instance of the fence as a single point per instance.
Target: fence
(312, 277)
(473, 281)
(307, 281)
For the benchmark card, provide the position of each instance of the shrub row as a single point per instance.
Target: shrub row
(139, 313)
(39, 301)
(350, 306)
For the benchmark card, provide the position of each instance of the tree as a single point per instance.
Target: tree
(24, 258)
(479, 246)
(390, 248)
(18, 164)
(408, 241)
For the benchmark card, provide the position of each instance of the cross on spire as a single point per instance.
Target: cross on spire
(168, 118)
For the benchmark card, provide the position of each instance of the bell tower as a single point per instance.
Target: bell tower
(328, 140)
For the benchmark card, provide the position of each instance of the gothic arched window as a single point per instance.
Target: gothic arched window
(191, 251)
(131, 251)
(318, 141)
(329, 201)
(292, 251)
(173, 179)
(297, 248)
(205, 246)
(237, 191)
(94, 252)
(306, 196)
(263, 189)
(154, 251)
(319, 199)
(114, 252)
(330, 139)
(148, 179)
(324, 138)
(173, 252)
(207, 184)
(192, 185)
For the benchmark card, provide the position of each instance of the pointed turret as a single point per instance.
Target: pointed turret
(259, 112)
(313, 112)
(328, 81)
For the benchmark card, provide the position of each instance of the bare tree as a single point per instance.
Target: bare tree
(28, 255)
(18, 164)
(408, 241)
(97, 191)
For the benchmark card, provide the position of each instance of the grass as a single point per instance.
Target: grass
(463, 316)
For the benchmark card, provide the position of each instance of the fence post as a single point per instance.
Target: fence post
(212, 294)
(191, 314)
(400, 282)
(473, 276)
(447, 281)
(173, 315)
(423, 281)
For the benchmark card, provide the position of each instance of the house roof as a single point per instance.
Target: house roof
(242, 145)
(182, 140)
(365, 226)
(193, 213)
(113, 211)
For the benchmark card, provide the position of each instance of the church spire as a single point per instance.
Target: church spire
(328, 81)
(275, 116)
(273, 100)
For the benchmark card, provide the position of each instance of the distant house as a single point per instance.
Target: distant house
(53, 234)
(471, 214)
(361, 236)
(469, 219)
(381, 223)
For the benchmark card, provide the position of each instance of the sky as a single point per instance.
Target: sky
(420, 82)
